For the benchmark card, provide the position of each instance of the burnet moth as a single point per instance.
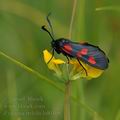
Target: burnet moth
(85, 52)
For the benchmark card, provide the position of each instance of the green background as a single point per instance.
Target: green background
(21, 37)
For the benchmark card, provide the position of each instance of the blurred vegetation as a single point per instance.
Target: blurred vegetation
(96, 21)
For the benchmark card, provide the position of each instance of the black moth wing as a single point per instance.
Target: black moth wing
(93, 53)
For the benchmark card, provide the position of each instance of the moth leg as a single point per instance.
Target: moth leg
(82, 67)
(51, 57)
(68, 59)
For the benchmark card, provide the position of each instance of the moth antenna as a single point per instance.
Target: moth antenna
(49, 23)
(43, 27)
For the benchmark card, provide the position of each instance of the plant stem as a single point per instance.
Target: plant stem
(68, 83)
(67, 100)
(112, 8)
(72, 17)
(80, 87)
(12, 93)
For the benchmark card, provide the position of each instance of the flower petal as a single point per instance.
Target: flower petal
(94, 72)
(47, 56)
(80, 72)
(53, 63)
(58, 61)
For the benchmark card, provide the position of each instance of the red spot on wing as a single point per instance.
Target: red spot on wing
(84, 51)
(91, 60)
(67, 48)
(79, 54)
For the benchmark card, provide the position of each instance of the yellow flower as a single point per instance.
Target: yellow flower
(77, 70)
(53, 64)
